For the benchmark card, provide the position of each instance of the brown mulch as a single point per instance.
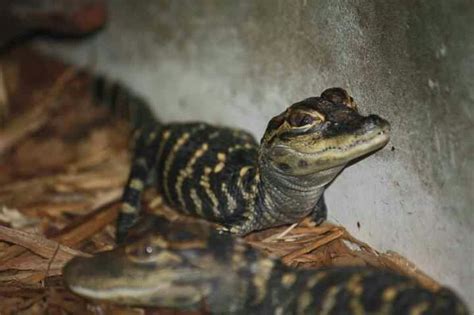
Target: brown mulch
(63, 163)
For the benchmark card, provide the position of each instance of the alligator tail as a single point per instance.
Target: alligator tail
(123, 102)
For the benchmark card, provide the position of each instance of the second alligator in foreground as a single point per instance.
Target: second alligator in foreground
(190, 265)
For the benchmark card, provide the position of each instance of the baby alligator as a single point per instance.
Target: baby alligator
(225, 176)
(190, 265)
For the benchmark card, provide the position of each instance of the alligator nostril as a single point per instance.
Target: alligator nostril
(373, 121)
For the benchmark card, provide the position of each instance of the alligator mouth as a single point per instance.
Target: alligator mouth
(117, 293)
(135, 285)
(93, 278)
(353, 148)
(331, 152)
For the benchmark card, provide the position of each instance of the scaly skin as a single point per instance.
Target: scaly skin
(188, 265)
(224, 175)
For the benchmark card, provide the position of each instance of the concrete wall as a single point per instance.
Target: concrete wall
(240, 62)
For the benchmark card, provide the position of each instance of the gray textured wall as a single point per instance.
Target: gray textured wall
(412, 62)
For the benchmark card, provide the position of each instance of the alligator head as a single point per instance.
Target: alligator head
(321, 133)
(170, 264)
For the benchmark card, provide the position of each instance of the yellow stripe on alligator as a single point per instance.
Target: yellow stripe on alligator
(330, 300)
(260, 279)
(169, 161)
(242, 173)
(136, 184)
(187, 172)
(315, 279)
(288, 279)
(419, 309)
(127, 208)
(197, 202)
(206, 184)
(304, 300)
(221, 157)
(151, 137)
(231, 202)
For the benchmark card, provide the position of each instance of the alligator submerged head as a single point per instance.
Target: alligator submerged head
(189, 265)
(321, 133)
(169, 264)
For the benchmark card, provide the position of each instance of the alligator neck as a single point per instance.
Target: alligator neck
(291, 197)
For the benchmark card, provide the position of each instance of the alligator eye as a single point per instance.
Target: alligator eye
(339, 96)
(301, 119)
(140, 251)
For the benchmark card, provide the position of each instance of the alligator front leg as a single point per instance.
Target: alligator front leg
(320, 212)
(142, 168)
(242, 228)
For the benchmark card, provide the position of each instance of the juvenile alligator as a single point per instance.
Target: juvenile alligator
(190, 265)
(225, 176)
